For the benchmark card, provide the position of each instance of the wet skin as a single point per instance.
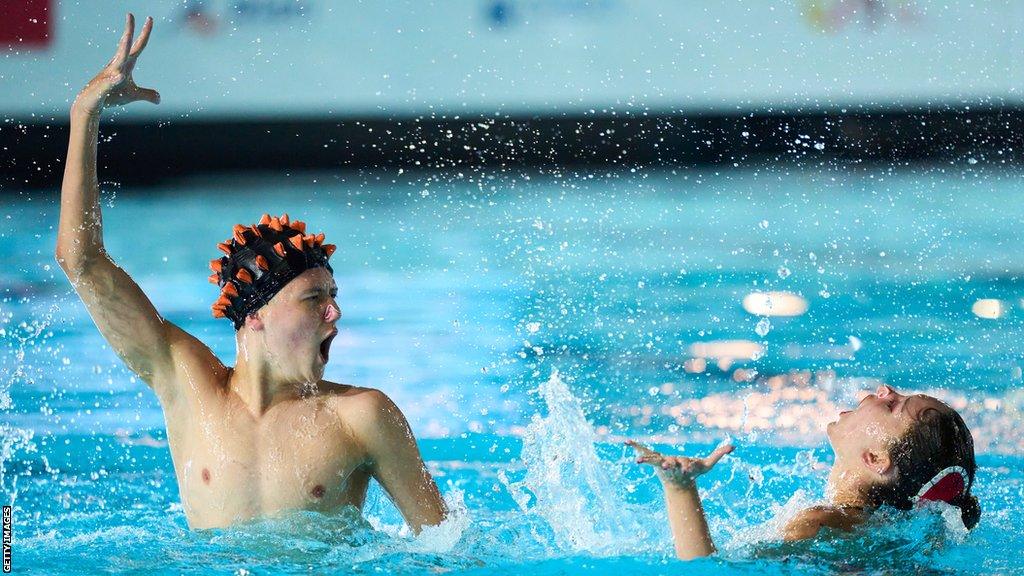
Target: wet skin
(878, 420)
(268, 434)
(297, 449)
(243, 448)
(860, 439)
(301, 454)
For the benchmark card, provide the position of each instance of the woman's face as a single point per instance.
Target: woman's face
(880, 419)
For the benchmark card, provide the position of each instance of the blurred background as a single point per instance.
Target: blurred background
(559, 222)
(296, 84)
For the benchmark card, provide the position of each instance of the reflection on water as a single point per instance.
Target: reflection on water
(677, 307)
(777, 303)
(558, 500)
(990, 308)
(796, 407)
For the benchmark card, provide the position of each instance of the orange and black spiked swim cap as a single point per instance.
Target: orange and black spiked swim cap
(259, 260)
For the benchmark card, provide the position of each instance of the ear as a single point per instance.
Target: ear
(878, 462)
(254, 322)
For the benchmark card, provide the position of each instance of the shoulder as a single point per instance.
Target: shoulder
(810, 521)
(194, 370)
(344, 398)
(374, 421)
(362, 408)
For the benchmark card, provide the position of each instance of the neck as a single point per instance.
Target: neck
(254, 382)
(845, 487)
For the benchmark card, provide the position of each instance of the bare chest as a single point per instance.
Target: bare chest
(231, 468)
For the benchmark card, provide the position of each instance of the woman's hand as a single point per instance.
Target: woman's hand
(679, 471)
(114, 85)
(690, 535)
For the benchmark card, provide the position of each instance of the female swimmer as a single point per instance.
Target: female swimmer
(891, 450)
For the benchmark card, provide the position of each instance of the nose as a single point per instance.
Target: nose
(884, 390)
(332, 313)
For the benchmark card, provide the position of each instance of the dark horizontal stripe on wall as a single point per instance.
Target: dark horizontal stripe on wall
(134, 152)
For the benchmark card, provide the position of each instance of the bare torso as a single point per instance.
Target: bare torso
(243, 444)
(232, 466)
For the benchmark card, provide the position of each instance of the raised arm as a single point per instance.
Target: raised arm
(123, 314)
(396, 463)
(678, 474)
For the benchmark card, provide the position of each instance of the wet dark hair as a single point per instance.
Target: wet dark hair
(937, 440)
(259, 260)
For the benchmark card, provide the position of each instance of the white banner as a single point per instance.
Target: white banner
(249, 58)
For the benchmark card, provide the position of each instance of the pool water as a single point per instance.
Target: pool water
(527, 323)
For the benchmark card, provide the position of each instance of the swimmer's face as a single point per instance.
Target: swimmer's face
(298, 326)
(879, 420)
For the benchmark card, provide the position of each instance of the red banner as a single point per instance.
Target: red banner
(25, 23)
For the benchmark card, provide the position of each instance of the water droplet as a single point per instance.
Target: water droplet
(764, 326)
(783, 272)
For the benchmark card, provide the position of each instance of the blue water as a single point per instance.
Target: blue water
(526, 323)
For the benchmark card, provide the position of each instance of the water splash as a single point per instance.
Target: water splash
(381, 514)
(745, 538)
(17, 342)
(764, 325)
(445, 536)
(569, 487)
(12, 441)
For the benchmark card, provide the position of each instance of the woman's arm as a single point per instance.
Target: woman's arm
(678, 475)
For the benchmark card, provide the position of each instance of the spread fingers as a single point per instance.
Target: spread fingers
(143, 39)
(126, 38)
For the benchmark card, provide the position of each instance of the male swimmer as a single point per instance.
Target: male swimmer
(892, 449)
(269, 434)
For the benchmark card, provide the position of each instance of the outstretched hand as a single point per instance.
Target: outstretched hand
(114, 85)
(678, 470)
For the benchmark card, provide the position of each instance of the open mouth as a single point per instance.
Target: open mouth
(325, 346)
